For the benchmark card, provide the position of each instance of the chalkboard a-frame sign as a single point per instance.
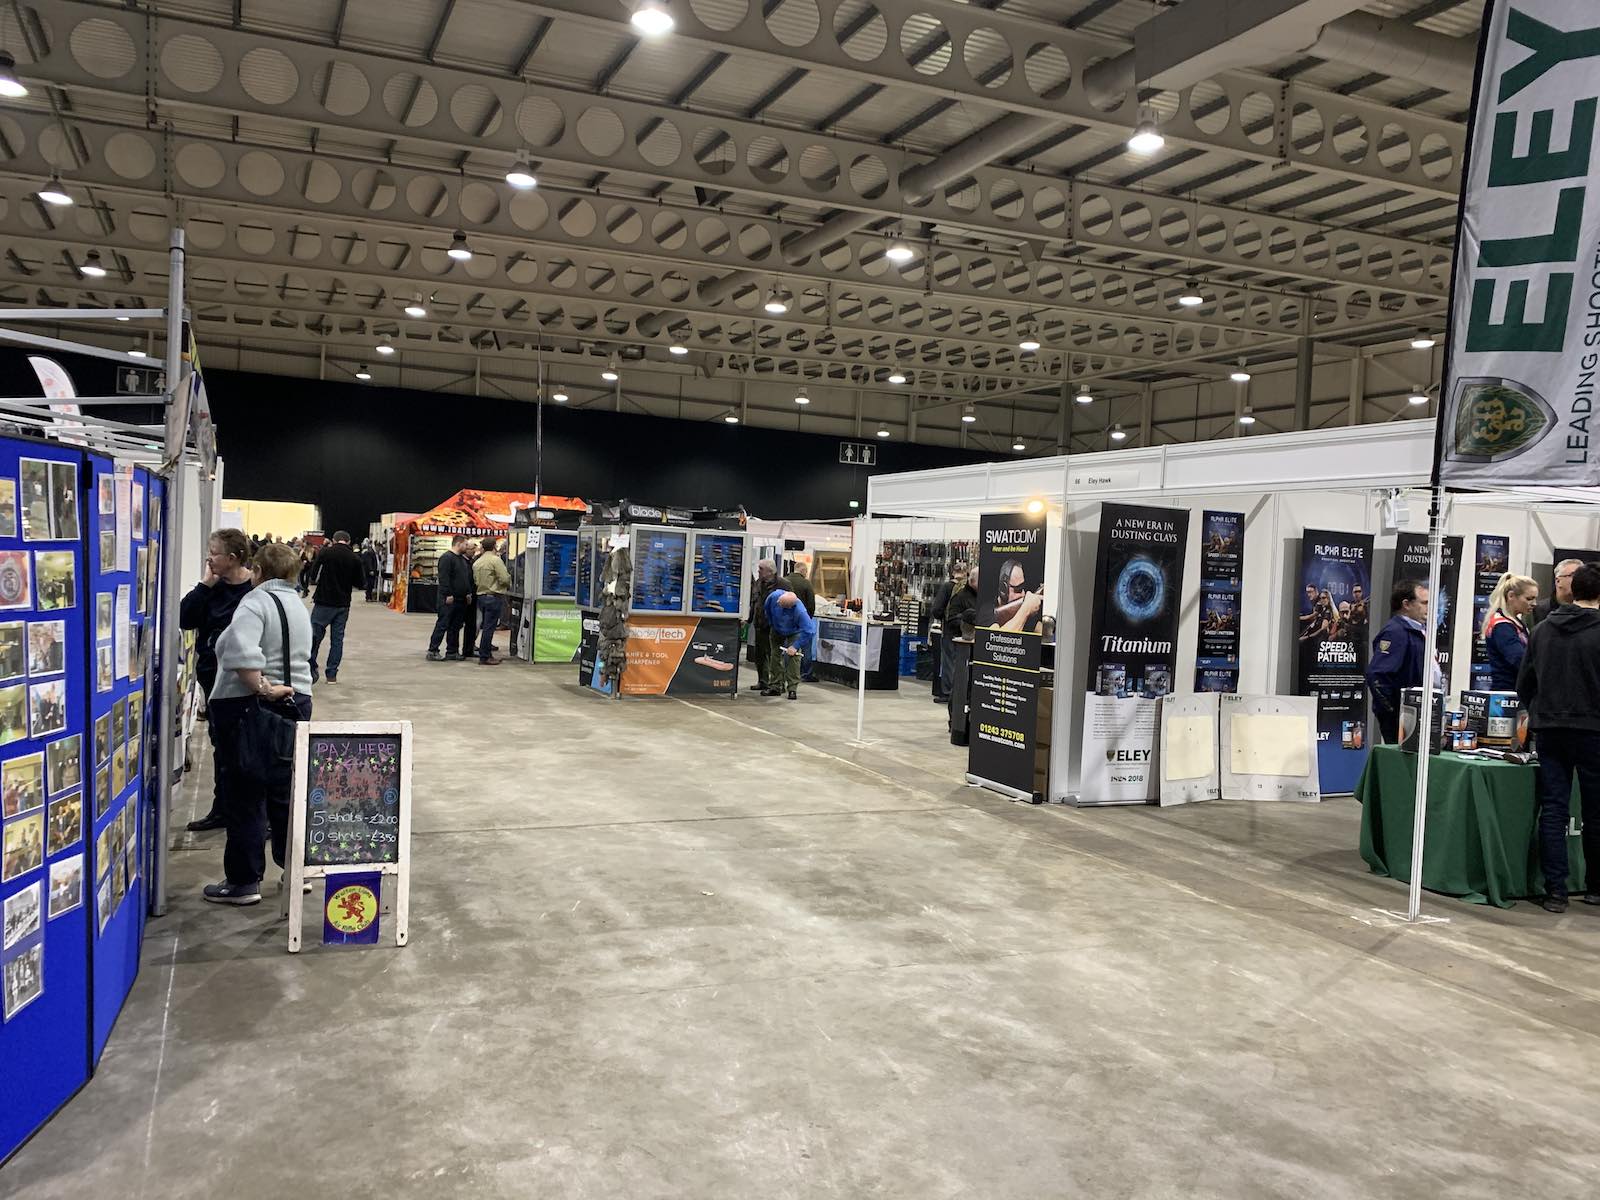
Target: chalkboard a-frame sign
(350, 810)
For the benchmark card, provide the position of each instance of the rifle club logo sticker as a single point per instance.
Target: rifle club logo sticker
(352, 909)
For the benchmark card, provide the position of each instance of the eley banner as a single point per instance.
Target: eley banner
(1524, 363)
(1493, 557)
(1006, 653)
(1411, 562)
(1133, 649)
(1216, 667)
(1333, 631)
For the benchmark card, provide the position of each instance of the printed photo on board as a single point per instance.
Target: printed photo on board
(102, 792)
(64, 500)
(23, 846)
(8, 507)
(47, 648)
(21, 915)
(34, 499)
(141, 579)
(13, 714)
(22, 784)
(107, 485)
(102, 617)
(47, 708)
(13, 651)
(135, 721)
(108, 551)
(119, 769)
(103, 903)
(24, 979)
(119, 722)
(66, 885)
(105, 672)
(64, 757)
(58, 583)
(16, 579)
(65, 822)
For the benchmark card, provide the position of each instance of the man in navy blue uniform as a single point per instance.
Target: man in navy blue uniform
(1398, 653)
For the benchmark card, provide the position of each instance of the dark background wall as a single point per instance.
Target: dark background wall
(358, 451)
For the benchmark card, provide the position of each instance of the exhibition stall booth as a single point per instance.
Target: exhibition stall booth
(1259, 566)
(471, 512)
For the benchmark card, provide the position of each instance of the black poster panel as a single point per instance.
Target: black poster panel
(1216, 667)
(1411, 562)
(1006, 651)
(1493, 559)
(710, 662)
(1334, 632)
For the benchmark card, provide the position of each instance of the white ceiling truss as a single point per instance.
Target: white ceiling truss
(322, 153)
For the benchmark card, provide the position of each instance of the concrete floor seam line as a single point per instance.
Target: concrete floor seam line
(783, 816)
(161, 1058)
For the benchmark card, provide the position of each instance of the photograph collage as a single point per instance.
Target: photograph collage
(41, 785)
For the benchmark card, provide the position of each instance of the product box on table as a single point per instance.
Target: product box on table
(1410, 715)
(1497, 718)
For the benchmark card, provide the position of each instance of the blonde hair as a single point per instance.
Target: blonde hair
(1507, 585)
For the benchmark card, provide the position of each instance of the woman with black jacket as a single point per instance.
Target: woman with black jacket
(208, 609)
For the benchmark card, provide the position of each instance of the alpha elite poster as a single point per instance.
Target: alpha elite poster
(1333, 631)
(1490, 562)
(1216, 667)
(1006, 652)
(1411, 562)
(1138, 588)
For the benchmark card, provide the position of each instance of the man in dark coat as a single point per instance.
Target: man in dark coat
(1399, 653)
(798, 581)
(338, 574)
(455, 588)
(766, 580)
(941, 601)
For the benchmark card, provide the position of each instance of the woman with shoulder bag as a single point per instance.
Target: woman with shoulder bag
(263, 687)
(207, 609)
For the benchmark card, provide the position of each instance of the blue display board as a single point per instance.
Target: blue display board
(718, 573)
(558, 565)
(124, 585)
(44, 1020)
(658, 569)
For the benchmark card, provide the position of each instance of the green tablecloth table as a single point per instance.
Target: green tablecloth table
(1481, 843)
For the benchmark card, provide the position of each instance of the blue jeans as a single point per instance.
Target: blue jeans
(1561, 753)
(325, 618)
(489, 607)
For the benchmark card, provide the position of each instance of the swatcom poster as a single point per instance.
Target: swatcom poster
(1006, 652)
(1216, 667)
(1133, 638)
(1491, 562)
(1411, 562)
(1333, 633)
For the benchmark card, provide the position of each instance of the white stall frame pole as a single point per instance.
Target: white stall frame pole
(172, 536)
(868, 577)
(1419, 820)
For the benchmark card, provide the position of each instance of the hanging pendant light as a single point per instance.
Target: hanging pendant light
(883, 431)
(899, 251)
(558, 396)
(10, 86)
(777, 301)
(1019, 446)
(652, 18)
(731, 418)
(1247, 417)
(1423, 342)
(1417, 398)
(1118, 434)
(969, 414)
(1146, 139)
(1029, 342)
(54, 193)
(1240, 374)
(362, 373)
(613, 370)
(459, 250)
(385, 346)
(1190, 297)
(416, 308)
(678, 348)
(800, 397)
(521, 175)
(92, 266)
(1084, 396)
(896, 375)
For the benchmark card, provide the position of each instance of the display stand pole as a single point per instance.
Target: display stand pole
(1419, 819)
(866, 606)
(171, 548)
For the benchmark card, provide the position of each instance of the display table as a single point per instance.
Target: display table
(1481, 842)
(839, 653)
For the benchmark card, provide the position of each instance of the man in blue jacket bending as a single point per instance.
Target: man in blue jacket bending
(792, 629)
(1398, 653)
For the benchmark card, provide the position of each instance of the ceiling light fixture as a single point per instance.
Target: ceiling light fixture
(124, 318)
(10, 86)
(969, 414)
(896, 375)
(731, 419)
(1034, 507)
(558, 396)
(1146, 140)
(136, 352)
(678, 348)
(613, 371)
(459, 250)
(652, 18)
(1190, 297)
(1239, 374)
(521, 175)
(385, 346)
(883, 431)
(899, 251)
(417, 308)
(1084, 396)
(362, 373)
(777, 301)
(1247, 417)
(800, 397)
(1018, 446)
(92, 266)
(1029, 341)
(1118, 434)
(1424, 342)
(54, 193)
(1417, 398)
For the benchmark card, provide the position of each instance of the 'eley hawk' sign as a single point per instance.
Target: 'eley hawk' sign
(1524, 369)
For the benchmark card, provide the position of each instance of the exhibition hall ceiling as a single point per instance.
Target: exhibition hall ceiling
(777, 193)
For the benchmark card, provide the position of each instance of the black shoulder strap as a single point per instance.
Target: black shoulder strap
(283, 623)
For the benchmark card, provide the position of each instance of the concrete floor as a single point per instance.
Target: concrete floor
(711, 950)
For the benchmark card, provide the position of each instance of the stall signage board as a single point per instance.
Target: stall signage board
(1333, 635)
(1133, 640)
(1006, 653)
(1520, 378)
(1493, 555)
(350, 812)
(1216, 667)
(1411, 562)
(858, 454)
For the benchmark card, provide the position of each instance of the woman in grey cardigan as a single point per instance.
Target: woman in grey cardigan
(250, 674)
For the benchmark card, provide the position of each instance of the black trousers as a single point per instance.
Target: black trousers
(208, 679)
(1564, 753)
(257, 809)
(447, 628)
(471, 625)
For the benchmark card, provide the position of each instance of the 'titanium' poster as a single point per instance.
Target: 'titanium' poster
(1333, 631)
(1411, 562)
(1006, 653)
(1138, 586)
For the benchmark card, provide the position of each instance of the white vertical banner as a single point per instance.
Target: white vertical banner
(1523, 369)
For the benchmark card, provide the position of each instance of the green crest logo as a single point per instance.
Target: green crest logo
(1497, 419)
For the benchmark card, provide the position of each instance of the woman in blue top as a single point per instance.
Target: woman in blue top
(1505, 629)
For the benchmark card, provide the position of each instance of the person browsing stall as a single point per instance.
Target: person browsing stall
(1505, 630)
(1398, 653)
(492, 581)
(339, 573)
(1562, 591)
(791, 627)
(1559, 686)
(455, 586)
(207, 609)
(251, 657)
(766, 581)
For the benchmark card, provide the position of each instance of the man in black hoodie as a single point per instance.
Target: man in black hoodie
(455, 589)
(1560, 690)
